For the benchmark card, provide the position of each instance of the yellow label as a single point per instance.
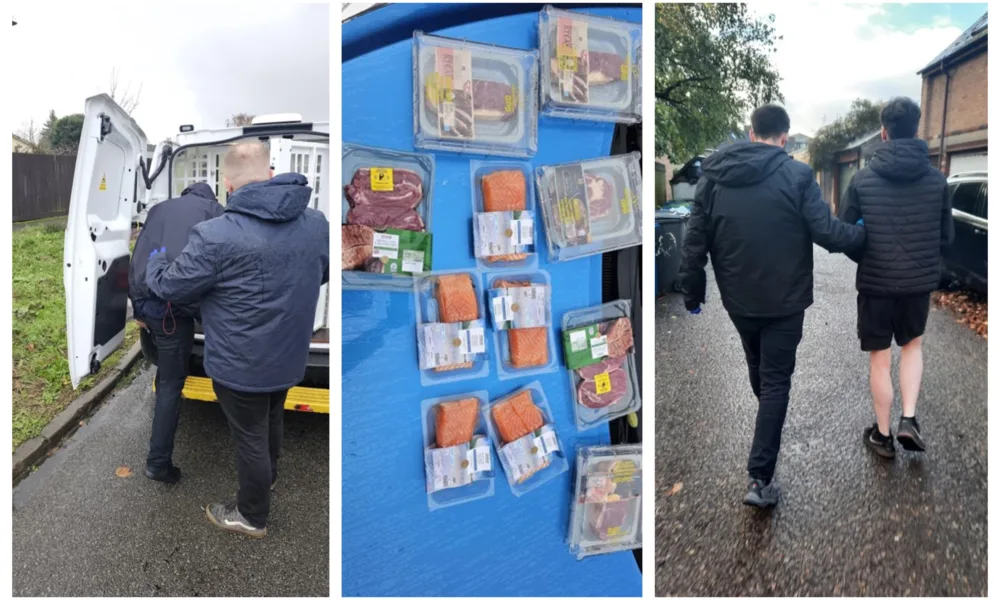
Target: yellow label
(603, 383)
(624, 71)
(569, 208)
(625, 206)
(567, 62)
(614, 531)
(381, 180)
(508, 103)
(623, 471)
(104, 183)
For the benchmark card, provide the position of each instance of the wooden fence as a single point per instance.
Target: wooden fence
(42, 185)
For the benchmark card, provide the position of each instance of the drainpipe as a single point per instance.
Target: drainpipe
(944, 114)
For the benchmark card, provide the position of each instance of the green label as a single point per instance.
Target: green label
(409, 252)
(584, 346)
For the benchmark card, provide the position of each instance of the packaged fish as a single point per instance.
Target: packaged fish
(521, 307)
(503, 215)
(591, 207)
(474, 98)
(590, 66)
(457, 458)
(523, 431)
(606, 515)
(386, 217)
(600, 357)
(451, 327)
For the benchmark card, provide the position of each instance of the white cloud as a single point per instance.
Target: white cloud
(197, 63)
(830, 54)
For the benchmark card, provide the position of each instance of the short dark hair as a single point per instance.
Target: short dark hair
(770, 121)
(901, 117)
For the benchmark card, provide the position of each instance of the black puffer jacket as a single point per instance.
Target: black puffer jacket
(758, 212)
(906, 208)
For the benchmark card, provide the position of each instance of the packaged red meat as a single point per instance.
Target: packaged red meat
(590, 66)
(606, 515)
(598, 346)
(474, 98)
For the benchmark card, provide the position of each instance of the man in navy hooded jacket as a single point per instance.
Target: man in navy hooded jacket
(257, 272)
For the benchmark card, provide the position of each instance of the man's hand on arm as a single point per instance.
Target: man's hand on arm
(189, 277)
(829, 232)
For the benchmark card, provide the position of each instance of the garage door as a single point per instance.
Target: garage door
(965, 163)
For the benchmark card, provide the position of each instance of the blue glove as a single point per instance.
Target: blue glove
(860, 222)
(695, 311)
(161, 249)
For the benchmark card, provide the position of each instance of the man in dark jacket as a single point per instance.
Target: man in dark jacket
(906, 209)
(257, 272)
(758, 213)
(171, 326)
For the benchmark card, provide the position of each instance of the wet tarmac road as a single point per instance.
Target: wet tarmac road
(78, 530)
(849, 523)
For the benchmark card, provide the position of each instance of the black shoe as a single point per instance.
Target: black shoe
(171, 475)
(882, 445)
(909, 436)
(274, 482)
(760, 495)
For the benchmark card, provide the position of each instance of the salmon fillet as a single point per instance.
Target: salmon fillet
(529, 346)
(456, 422)
(456, 298)
(516, 417)
(504, 190)
(454, 367)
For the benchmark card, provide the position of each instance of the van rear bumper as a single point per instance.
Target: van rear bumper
(303, 399)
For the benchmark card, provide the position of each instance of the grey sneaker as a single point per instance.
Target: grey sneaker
(909, 436)
(760, 495)
(880, 444)
(228, 517)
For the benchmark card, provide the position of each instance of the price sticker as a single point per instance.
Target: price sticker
(603, 383)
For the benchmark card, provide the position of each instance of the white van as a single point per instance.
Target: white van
(116, 180)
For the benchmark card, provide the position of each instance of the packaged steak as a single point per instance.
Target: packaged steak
(520, 305)
(523, 431)
(606, 515)
(385, 225)
(600, 357)
(451, 327)
(592, 206)
(590, 66)
(503, 215)
(458, 463)
(474, 98)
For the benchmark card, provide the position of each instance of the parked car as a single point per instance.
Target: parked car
(965, 260)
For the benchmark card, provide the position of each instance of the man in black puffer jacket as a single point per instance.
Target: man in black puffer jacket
(906, 209)
(758, 213)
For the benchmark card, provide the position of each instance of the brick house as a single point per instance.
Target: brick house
(954, 102)
(835, 177)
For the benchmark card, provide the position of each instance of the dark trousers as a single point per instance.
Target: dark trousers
(770, 346)
(255, 421)
(173, 358)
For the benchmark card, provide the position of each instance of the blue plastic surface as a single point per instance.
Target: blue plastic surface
(498, 546)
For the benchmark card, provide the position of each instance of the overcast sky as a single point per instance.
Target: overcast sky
(197, 63)
(833, 53)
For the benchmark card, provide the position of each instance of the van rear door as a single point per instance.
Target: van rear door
(107, 188)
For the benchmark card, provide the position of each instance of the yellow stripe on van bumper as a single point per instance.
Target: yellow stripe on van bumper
(303, 399)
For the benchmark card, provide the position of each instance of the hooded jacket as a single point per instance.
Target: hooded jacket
(757, 213)
(257, 272)
(168, 225)
(906, 208)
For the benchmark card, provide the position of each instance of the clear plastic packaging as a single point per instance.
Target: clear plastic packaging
(457, 458)
(474, 98)
(504, 215)
(591, 67)
(385, 218)
(600, 358)
(525, 438)
(451, 327)
(591, 207)
(520, 306)
(606, 515)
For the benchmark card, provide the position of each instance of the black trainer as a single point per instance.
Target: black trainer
(171, 475)
(760, 495)
(909, 436)
(881, 444)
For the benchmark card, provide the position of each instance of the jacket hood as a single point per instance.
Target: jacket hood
(282, 198)
(744, 164)
(202, 190)
(901, 160)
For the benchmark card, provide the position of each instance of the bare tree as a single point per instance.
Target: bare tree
(29, 133)
(240, 120)
(128, 99)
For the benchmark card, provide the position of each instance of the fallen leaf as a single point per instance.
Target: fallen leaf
(123, 472)
(677, 487)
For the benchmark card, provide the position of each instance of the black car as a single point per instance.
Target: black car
(965, 260)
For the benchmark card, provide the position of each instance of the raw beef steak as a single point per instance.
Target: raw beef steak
(356, 242)
(587, 394)
(607, 364)
(407, 190)
(598, 196)
(489, 103)
(385, 217)
(619, 336)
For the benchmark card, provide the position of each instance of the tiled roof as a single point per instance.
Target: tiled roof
(977, 31)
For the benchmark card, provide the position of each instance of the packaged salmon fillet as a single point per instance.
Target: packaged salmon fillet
(503, 215)
(520, 305)
(451, 327)
(523, 431)
(606, 515)
(599, 350)
(458, 463)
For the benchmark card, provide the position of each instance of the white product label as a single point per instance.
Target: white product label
(482, 459)
(519, 307)
(458, 465)
(502, 233)
(526, 455)
(413, 261)
(599, 346)
(385, 245)
(578, 340)
(446, 344)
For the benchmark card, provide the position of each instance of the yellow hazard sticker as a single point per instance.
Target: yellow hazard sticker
(381, 180)
(603, 383)
(625, 71)
(614, 531)
(104, 183)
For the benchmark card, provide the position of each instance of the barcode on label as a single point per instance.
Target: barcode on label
(482, 459)
(524, 232)
(501, 311)
(546, 443)
(473, 340)
(413, 261)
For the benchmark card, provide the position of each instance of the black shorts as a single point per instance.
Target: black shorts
(882, 318)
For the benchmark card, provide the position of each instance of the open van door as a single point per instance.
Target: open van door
(106, 189)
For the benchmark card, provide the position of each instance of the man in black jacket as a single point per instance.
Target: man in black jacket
(906, 209)
(758, 213)
(168, 226)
